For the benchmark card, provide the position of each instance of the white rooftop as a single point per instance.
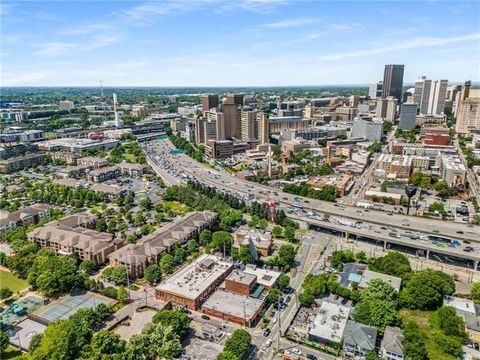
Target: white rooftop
(330, 322)
(193, 279)
(240, 306)
(369, 275)
(461, 304)
(266, 278)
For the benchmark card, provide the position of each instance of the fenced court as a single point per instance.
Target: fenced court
(19, 309)
(69, 305)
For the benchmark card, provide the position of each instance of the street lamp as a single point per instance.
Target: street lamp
(410, 191)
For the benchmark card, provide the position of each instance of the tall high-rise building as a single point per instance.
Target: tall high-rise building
(231, 99)
(353, 101)
(248, 119)
(200, 131)
(467, 110)
(391, 109)
(408, 116)
(430, 96)
(386, 109)
(233, 123)
(209, 101)
(263, 128)
(375, 90)
(214, 126)
(393, 81)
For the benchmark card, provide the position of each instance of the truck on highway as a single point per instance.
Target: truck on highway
(347, 222)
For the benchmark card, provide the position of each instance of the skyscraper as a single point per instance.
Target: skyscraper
(248, 119)
(430, 96)
(375, 90)
(408, 116)
(393, 81)
(209, 101)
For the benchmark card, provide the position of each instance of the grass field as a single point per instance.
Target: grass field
(426, 321)
(176, 207)
(12, 282)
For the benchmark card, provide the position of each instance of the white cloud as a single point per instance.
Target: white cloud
(289, 23)
(409, 44)
(54, 48)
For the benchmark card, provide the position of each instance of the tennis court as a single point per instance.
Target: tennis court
(69, 305)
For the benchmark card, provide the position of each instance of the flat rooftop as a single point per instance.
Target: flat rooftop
(239, 306)
(193, 279)
(465, 305)
(330, 322)
(266, 278)
(369, 275)
(241, 277)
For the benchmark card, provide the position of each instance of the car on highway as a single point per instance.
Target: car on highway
(274, 320)
(267, 332)
(468, 249)
(311, 357)
(268, 343)
(205, 317)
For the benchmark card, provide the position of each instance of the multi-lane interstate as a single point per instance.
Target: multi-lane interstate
(173, 168)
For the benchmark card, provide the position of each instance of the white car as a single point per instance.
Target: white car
(268, 343)
(296, 351)
(274, 320)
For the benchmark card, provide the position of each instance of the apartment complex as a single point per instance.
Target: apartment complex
(70, 235)
(136, 257)
(14, 164)
(29, 215)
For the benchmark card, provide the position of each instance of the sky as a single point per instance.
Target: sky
(235, 42)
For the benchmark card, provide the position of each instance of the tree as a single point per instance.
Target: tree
(145, 203)
(205, 237)
(306, 299)
(101, 226)
(221, 241)
(377, 313)
(153, 274)
(167, 263)
(105, 344)
(413, 342)
(262, 224)
(378, 289)
(139, 218)
(393, 263)
(437, 207)
(289, 233)
(475, 292)
(88, 266)
(35, 342)
(117, 274)
(286, 256)
(238, 343)
(155, 340)
(226, 355)
(5, 293)
(384, 186)
(178, 320)
(426, 289)
(244, 255)
(122, 295)
(3, 341)
(450, 323)
(341, 257)
(283, 281)
(274, 295)
(371, 355)
(277, 231)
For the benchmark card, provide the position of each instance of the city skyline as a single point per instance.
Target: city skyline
(243, 43)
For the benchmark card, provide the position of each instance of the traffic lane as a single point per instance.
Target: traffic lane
(424, 225)
(383, 235)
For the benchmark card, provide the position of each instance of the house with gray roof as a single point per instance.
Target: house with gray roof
(358, 339)
(391, 346)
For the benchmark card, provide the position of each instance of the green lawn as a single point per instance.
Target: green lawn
(12, 282)
(176, 207)
(426, 321)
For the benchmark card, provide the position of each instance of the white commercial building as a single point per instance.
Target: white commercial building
(371, 130)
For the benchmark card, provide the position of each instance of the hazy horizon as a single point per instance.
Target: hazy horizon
(249, 43)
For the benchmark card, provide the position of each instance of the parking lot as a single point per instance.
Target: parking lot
(133, 326)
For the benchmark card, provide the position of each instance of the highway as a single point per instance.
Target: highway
(182, 165)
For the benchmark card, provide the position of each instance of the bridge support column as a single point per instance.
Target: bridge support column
(428, 255)
(384, 245)
(475, 265)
